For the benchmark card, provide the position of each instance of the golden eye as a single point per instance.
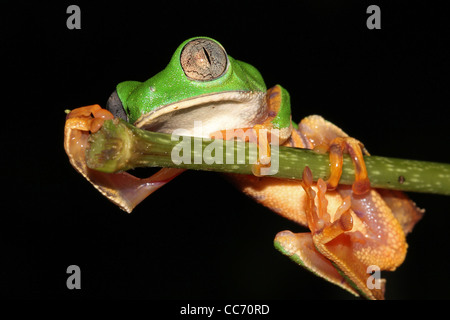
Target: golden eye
(203, 60)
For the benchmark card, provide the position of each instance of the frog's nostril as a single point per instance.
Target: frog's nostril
(115, 106)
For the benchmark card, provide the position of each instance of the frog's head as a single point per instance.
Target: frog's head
(201, 82)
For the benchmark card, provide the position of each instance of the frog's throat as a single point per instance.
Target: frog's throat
(216, 111)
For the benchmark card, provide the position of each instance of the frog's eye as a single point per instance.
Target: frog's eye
(115, 106)
(203, 60)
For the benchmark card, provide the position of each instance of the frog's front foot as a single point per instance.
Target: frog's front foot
(354, 148)
(89, 118)
(271, 131)
(264, 151)
(122, 188)
(79, 123)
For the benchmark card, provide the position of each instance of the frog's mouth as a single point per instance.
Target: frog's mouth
(208, 113)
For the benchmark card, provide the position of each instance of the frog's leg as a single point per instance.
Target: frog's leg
(356, 236)
(326, 137)
(376, 238)
(331, 236)
(123, 189)
(278, 105)
(275, 129)
(301, 247)
(286, 197)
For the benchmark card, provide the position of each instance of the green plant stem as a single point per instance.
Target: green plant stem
(119, 146)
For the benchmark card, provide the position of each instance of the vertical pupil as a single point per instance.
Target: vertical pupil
(207, 55)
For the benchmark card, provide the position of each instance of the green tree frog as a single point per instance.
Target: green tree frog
(352, 229)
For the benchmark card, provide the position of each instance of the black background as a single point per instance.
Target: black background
(198, 237)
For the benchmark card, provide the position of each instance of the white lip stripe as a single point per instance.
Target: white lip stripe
(217, 111)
